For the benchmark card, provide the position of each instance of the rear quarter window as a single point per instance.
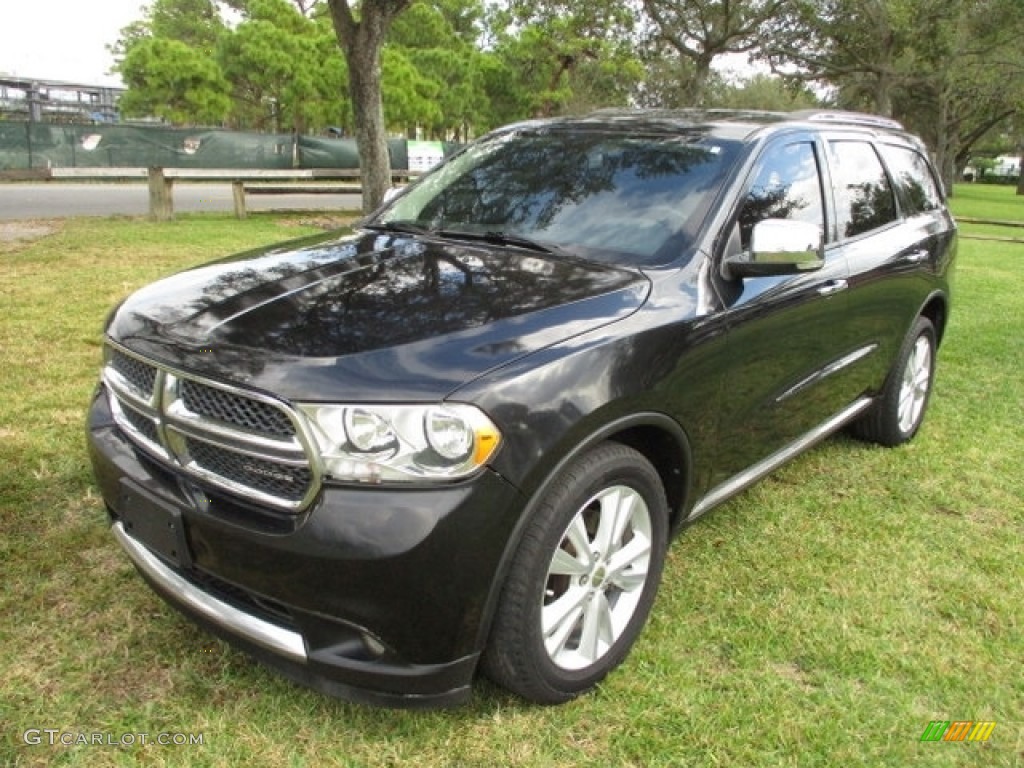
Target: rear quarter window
(916, 187)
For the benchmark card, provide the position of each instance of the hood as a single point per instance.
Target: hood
(370, 316)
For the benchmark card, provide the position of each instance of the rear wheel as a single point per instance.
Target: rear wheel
(897, 416)
(584, 578)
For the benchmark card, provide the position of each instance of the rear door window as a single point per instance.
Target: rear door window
(864, 197)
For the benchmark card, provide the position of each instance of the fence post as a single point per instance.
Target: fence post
(161, 198)
(238, 193)
(28, 142)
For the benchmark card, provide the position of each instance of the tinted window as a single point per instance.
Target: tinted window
(786, 185)
(864, 198)
(913, 178)
(636, 200)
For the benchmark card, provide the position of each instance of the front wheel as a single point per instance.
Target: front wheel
(897, 416)
(583, 579)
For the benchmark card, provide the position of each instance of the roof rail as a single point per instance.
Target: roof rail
(701, 113)
(850, 118)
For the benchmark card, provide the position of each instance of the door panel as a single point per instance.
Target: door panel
(889, 284)
(787, 340)
(788, 337)
(886, 254)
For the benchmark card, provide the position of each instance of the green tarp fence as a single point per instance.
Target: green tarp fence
(26, 146)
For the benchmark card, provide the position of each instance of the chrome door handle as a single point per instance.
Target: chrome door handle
(833, 286)
(916, 257)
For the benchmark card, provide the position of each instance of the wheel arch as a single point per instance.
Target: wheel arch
(656, 436)
(936, 309)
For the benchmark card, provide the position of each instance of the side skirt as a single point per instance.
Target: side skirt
(740, 482)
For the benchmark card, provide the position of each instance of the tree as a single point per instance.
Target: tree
(972, 79)
(361, 40)
(951, 70)
(433, 69)
(170, 80)
(167, 62)
(763, 91)
(555, 56)
(859, 44)
(411, 96)
(699, 31)
(285, 69)
(197, 23)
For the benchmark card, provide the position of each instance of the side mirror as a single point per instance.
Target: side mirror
(780, 247)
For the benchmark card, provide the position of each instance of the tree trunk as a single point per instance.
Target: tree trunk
(883, 94)
(883, 75)
(371, 136)
(361, 42)
(696, 90)
(945, 157)
(701, 76)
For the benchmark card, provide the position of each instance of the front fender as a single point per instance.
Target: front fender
(627, 429)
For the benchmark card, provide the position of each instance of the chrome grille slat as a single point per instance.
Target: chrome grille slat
(235, 409)
(191, 424)
(244, 442)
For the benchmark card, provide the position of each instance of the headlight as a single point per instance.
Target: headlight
(401, 443)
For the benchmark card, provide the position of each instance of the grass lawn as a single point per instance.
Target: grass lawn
(823, 618)
(999, 202)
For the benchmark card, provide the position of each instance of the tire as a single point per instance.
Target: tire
(899, 412)
(569, 612)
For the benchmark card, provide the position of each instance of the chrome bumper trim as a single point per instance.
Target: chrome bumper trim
(273, 638)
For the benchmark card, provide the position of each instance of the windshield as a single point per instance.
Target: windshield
(633, 200)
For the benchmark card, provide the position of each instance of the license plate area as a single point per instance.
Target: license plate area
(154, 522)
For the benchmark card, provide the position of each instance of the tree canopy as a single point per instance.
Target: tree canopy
(951, 70)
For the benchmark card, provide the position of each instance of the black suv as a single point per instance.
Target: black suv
(463, 435)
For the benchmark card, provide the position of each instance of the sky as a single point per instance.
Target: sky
(63, 39)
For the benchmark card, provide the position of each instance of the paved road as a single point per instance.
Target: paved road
(53, 200)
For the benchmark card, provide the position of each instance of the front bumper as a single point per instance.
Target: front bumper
(373, 594)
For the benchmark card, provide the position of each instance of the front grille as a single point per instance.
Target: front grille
(235, 409)
(141, 376)
(243, 442)
(143, 424)
(270, 477)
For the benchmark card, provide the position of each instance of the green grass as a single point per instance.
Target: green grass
(821, 619)
(988, 201)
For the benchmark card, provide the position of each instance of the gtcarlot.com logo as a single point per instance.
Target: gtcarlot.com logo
(56, 737)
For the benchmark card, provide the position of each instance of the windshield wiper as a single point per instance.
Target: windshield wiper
(494, 237)
(400, 225)
(499, 238)
(409, 227)
(516, 241)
